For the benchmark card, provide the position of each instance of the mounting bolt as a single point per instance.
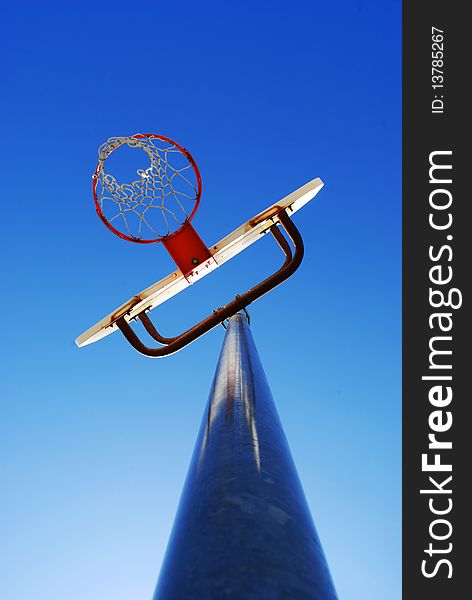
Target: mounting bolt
(195, 261)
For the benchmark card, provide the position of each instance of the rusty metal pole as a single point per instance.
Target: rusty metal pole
(243, 528)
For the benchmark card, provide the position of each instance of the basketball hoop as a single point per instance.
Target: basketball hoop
(155, 202)
(159, 204)
(162, 198)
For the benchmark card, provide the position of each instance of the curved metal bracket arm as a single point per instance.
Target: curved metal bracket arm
(173, 344)
(149, 326)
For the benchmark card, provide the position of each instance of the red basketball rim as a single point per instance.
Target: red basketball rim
(128, 238)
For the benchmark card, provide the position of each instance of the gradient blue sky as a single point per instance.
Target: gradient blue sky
(95, 443)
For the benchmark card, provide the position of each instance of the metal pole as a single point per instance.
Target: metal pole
(243, 528)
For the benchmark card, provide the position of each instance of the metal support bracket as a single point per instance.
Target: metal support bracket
(240, 302)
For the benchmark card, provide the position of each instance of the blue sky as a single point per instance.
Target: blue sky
(95, 443)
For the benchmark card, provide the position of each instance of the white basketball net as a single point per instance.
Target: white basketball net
(155, 204)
